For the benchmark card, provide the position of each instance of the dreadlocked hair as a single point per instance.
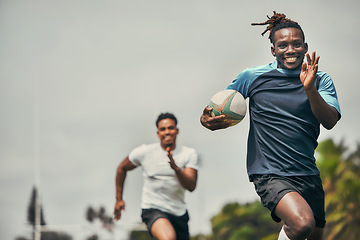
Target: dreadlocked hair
(276, 22)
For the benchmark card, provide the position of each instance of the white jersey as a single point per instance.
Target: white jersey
(162, 190)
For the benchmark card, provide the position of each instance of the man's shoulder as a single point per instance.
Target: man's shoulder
(147, 147)
(250, 74)
(183, 148)
(323, 75)
(261, 69)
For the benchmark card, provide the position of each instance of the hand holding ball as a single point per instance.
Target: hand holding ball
(229, 103)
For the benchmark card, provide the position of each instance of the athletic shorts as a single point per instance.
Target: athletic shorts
(271, 188)
(180, 223)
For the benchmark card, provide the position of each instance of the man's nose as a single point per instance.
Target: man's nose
(290, 49)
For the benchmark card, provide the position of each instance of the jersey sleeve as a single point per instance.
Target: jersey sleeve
(244, 80)
(241, 83)
(328, 92)
(137, 155)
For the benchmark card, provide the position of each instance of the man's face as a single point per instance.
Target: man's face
(167, 132)
(289, 48)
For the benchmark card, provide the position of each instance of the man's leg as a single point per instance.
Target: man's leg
(297, 216)
(162, 229)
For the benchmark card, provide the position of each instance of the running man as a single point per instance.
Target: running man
(288, 100)
(168, 170)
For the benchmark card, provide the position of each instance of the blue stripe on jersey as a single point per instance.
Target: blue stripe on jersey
(283, 130)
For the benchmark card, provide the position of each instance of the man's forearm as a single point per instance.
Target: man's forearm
(187, 178)
(119, 183)
(324, 113)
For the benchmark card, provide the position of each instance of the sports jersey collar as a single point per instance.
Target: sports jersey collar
(284, 71)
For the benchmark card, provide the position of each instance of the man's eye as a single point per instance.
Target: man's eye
(282, 46)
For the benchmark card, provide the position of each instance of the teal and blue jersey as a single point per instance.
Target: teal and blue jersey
(283, 130)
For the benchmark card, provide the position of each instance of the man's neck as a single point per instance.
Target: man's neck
(172, 146)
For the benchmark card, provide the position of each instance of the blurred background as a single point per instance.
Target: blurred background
(82, 83)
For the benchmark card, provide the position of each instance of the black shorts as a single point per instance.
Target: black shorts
(180, 223)
(271, 188)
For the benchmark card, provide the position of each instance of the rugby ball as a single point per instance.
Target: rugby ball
(229, 103)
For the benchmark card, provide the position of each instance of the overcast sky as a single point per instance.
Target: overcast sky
(82, 83)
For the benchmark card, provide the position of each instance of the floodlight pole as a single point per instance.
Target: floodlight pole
(37, 229)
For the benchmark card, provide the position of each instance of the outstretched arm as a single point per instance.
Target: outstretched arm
(324, 113)
(122, 169)
(213, 123)
(187, 176)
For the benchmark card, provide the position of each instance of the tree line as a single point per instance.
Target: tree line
(339, 171)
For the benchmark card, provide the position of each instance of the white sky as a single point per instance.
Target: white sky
(86, 80)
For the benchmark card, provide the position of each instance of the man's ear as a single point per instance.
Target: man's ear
(306, 47)
(273, 50)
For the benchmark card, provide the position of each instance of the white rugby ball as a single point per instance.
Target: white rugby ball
(229, 103)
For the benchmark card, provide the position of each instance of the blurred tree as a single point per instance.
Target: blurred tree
(201, 237)
(90, 214)
(32, 209)
(101, 213)
(31, 215)
(107, 221)
(55, 236)
(341, 180)
(242, 222)
(21, 238)
(140, 235)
